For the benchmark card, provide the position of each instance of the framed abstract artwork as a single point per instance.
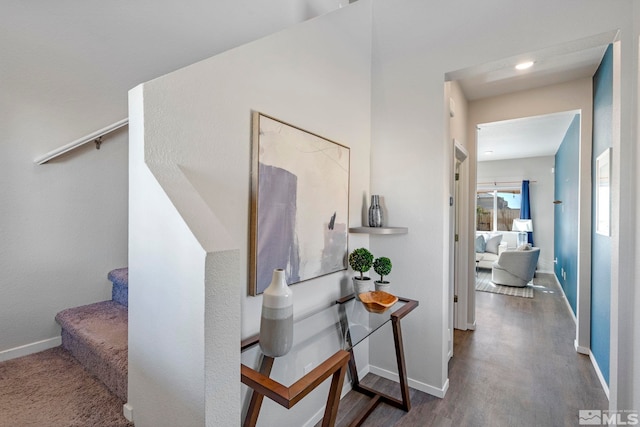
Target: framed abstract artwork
(299, 203)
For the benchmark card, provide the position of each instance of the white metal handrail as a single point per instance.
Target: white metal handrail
(95, 136)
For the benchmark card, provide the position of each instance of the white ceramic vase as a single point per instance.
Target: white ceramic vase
(276, 322)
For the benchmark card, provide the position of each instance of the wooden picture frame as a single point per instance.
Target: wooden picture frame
(299, 203)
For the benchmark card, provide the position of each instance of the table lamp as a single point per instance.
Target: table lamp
(523, 226)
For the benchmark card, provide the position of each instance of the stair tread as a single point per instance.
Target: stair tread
(119, 276)
(120, 289)
(102, 323)
(97, 335)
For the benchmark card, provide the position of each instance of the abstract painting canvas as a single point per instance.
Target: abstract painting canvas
(299, 203)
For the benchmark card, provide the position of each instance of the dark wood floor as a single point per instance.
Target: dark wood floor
(518, 368)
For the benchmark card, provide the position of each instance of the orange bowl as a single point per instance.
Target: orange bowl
(378, 298)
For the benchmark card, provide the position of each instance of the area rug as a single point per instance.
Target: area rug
(484, 284)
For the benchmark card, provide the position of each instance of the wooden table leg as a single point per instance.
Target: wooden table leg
(402, 369)
(333, 401)
(256, 398)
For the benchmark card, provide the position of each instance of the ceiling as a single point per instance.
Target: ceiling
(526, 137)
(532, 136)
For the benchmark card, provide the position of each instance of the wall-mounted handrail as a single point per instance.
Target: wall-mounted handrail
(95, 136)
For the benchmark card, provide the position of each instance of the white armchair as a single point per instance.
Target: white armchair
(515, 268)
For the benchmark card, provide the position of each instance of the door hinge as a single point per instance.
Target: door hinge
(457, 176)
(456, 238)
(455, 298)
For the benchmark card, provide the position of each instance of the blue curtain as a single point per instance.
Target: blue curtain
(525, 206)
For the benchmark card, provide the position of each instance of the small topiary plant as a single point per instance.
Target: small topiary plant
(382, 266)
(361, 260)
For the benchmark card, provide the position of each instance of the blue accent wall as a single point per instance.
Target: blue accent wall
(565, 242)
(601, 245)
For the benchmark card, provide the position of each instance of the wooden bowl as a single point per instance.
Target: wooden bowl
(377, 301)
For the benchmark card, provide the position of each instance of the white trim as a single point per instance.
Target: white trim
(564, 297)
(25, 350)
(580, 349)
(603, 383)
(418, 385)
(127, 411)
(81, 141)
(471, 326)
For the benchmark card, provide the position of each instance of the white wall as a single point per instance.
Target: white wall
(66, 70)
(193, 196)
(539, 171)
(624, 382)
(415, 45)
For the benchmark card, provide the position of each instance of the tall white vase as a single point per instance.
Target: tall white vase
(276, 322)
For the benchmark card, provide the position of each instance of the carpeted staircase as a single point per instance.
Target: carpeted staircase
(96, 335)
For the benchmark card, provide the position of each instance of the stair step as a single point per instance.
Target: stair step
(120, 289)
(96, 335)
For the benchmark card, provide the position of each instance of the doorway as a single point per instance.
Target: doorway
(489, 99)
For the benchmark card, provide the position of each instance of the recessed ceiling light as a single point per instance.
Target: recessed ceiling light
(524, 65)
(488, 152)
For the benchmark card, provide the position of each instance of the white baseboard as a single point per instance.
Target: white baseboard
(127, 411)
(25, 350)
(580, 349)
(471, 326)
(418, 385)
(603, 383)
(566, 301)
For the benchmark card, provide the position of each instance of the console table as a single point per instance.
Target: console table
(329, 336)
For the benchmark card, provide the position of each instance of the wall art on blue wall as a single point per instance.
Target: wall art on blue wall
(299, 203)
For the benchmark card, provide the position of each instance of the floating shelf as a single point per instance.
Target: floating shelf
(379, 230)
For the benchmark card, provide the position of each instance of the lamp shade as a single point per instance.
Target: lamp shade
(522, 225)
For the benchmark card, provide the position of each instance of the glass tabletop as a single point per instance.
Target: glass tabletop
(318, 335)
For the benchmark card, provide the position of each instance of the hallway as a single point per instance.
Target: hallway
(518, 368)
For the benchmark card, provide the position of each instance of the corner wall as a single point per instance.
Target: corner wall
(193, 190)
(566, 214)
(601, 244)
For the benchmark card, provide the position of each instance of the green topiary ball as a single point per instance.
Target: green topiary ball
(361, 260)
(382, 266)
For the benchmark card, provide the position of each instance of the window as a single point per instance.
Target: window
(496, 209)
